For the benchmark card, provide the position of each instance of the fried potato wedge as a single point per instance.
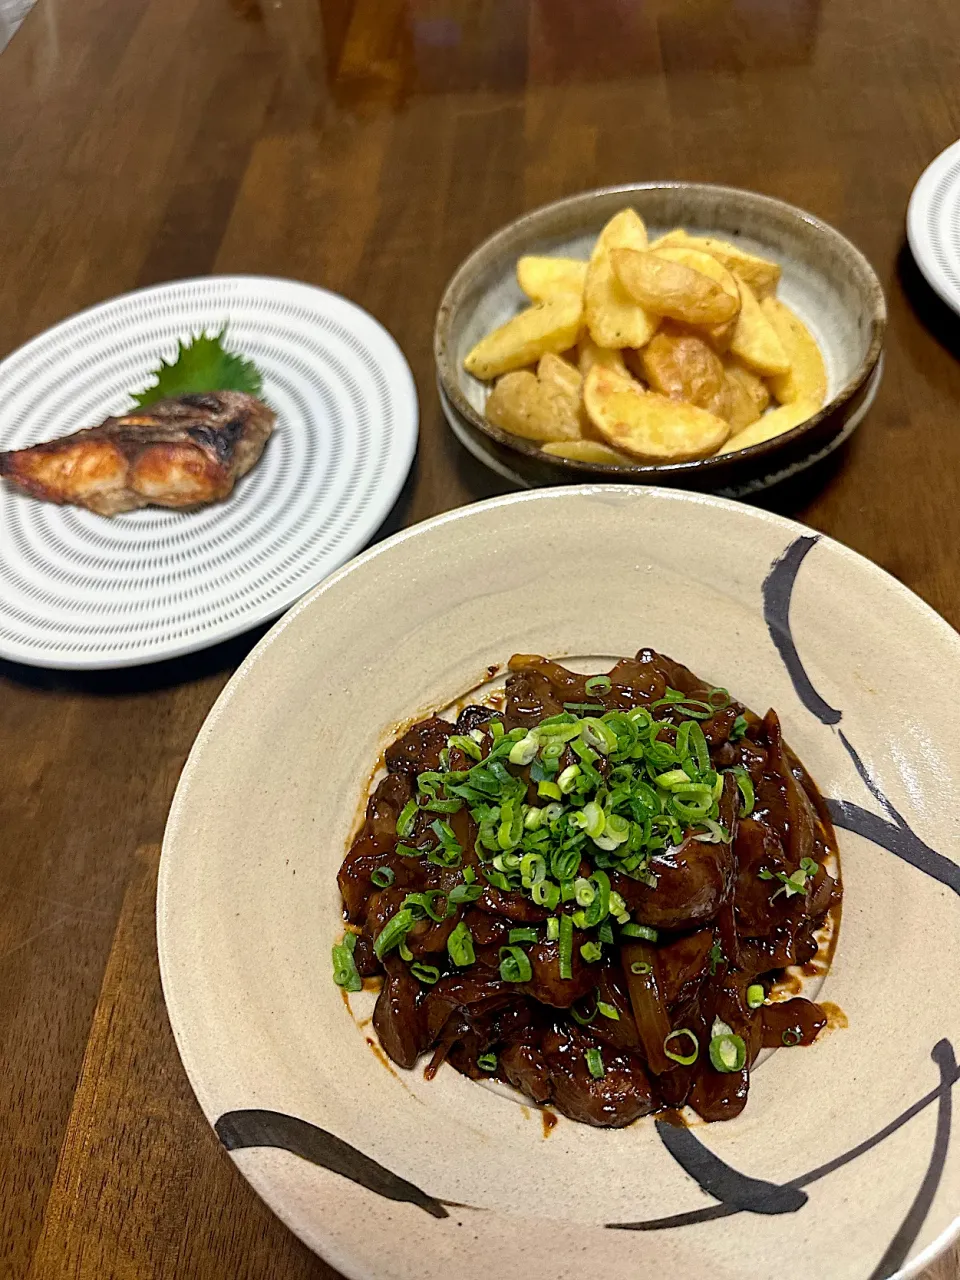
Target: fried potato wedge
(543, 278)
(672, 288)
(540, 406)
(648, 426)
(613, 318)
(754, 339)
(751, 382)
(553, 326)
(772, 424)
(697, 260)
(761, 274)
(588, 451)
(589, 354)
(735, 404)
(807, 378)
(683, 366)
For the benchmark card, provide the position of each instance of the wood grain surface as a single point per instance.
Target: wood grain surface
(367, 145)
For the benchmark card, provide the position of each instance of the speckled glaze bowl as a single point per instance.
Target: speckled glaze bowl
(827, 281)
(844, 1164)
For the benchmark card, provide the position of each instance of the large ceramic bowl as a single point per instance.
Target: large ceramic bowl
(825, 280)
(843, 1164)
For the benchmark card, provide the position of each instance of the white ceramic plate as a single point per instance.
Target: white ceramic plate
(933, 225)
(79, 590)
(844, 1163)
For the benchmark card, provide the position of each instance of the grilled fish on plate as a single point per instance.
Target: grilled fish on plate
(178, 453)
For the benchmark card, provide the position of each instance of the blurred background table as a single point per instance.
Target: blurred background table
(367, 145)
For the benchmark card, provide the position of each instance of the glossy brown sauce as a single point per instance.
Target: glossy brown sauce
(836, 1019)
(704, 896)
(549, 1122)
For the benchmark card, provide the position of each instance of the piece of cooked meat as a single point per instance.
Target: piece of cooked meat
(177, 453)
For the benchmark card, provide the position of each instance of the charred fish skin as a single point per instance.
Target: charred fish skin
(180, 453)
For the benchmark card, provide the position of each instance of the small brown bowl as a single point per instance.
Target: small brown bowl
(826, 280)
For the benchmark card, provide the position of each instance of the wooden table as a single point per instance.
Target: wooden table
(367, 145)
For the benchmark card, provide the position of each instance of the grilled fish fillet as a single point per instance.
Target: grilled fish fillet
(177, 453)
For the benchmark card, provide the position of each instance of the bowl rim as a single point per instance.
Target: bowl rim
(761, 452)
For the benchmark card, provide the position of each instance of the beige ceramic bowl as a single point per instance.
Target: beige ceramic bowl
(825, 280)
(843, 1165)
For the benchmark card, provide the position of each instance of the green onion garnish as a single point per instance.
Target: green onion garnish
(685, 1059)
(583, 707)
(408, 815)
(545, 894)
(566, 947)
(568, 778)
(755, 995)
(643, 931)
(383, 877)
(461, 893)
(608, 1010)
(791, 1037)
(523, 752)
(716, 957)
(487, 1062)
(595, 1063)
(745, 783)
(591, 952)
(404, 952)
(583, 1018)
(515, 965)
(548, 790)
(344, 966)
(427, 973)
(523, 935)
(727, 1050)
(408, 851)
(739, 729)
(460, 945)
(605, 933)
(640, 967)
(468, 746)
(393, 932)
(598, 684)
(553, 929)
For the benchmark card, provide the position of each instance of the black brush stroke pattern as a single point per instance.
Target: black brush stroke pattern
(777, 593)
(255, 1128)
(722, 1181)
(901, 1243)
(943, 1055)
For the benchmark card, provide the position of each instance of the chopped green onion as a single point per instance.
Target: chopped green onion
(727, 1050)
(383, 877)
(716, 957)
(745, 783)
(579, 918)
(598, 684)
(591, 952)
(523, 752)
(616, 831)
(640, 967)
(568, 778)
(408, 815)
(594, 819)
(549, 791)
(533, 869)
(598, 735)
(469, 875)
(595, 1063)
(460, 945)
(523, 935)
(553, 929)
(430, 898)
(582, 707)
(487, 1062)
(532, 818)
(583, 1018)
(608, 1010)
(345, 972)
(461, 893)
(396, 928)
(755, 995)
(739, 729)
(618, 908)
(639, 931)
(584, 892)
(408, 851)
(404, 952)
(545, 894)
(467, 745)
(791, 1037)
(685, 1059)
(428, 973)
(566, 947)
(605, 933)
(515, 965)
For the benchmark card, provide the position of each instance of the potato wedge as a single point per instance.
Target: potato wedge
(613, 318)
(754, 339)
(648, 426)
(697, 260)
(761, 274)
(807, 378)
(587, 451)
(672, 289)
(683, 366)
(559, 375)
(772, 424)
(539, 406)
(751, 382)
(553, 326)
(735, 404)
(542, 278)
(590, 354)
(561, 387)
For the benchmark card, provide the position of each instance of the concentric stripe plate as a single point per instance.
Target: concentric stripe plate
(79, 590)
(933, 225)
